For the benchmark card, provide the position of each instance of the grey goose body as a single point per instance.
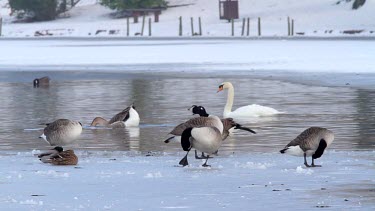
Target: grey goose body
(311, 142)
(61, 132)
(206, 139)
(44, 81)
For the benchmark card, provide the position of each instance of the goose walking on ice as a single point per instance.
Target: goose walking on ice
(244, 111)
(206, 139)
(62, 132)
(311, 142)
(57, 156)
(128, 117)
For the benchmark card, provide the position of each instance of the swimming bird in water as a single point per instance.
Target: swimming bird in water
(311, 142)
(57, 156)
(206, 139)
(244, 111)
(44, 81)
(128, 117)
(61, 132)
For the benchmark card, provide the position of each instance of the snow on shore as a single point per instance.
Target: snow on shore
(312, 18)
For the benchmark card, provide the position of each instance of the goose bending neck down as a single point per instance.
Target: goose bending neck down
(205, 139)
(311, 142)
(253, 110)
(128, 117)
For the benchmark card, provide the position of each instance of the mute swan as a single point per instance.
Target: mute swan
(59, 157)
(253, 110)
(61, 132)
(128, 117)
(205, 139)
(311, 142)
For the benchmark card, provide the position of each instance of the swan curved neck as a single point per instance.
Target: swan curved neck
(228, 106)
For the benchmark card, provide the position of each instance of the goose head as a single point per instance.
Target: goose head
(36, 82)
(200, 110)
(58, 149)
(224, 85)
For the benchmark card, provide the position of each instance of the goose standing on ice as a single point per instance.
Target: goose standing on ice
(244, 111)
(128, 117)
(44, 81)
(311, 142)
(206, 139)
(61, 132)
(228, 124)
(57, 156)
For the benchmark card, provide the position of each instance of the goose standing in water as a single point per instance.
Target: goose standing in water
(206, 139)
(61, 132)
(311, 142)
(128, 117)
(57, 156)
(44, 81)
(244, 111)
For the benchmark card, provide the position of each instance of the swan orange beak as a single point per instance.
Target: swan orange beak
(220, 89)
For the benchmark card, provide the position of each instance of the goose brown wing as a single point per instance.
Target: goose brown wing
(51, 127)
(194, 122)
(122, 116)
(306, 140)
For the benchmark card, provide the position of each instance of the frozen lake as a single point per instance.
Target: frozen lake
(133, 169)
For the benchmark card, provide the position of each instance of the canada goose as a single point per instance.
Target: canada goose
(311, 142)
(206, 139)
(57, 156)
(61, 132)
(129, 116)
(228, 123)
(44, 81)
(244, 111)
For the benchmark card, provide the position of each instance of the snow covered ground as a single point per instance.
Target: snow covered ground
(135, 181)
(312, 18)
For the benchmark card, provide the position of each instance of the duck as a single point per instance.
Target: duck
(253, 110)
(206, 139)
(128, 117)
(61, 132)
(311, 142)
(57, 156)
(44, 81)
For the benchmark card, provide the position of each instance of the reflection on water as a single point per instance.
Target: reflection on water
(162, 102)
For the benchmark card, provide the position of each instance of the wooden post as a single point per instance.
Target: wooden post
(288, 26)
(232, 27)
(192, 26)
(180, 27)
(135, 16)
(149, 27)
(292, 30)
(127, 27)
(1, 25)
(200, 26)
(143, 25)
(243, 27)
(248, 27)
(156, 16)
(259, 28)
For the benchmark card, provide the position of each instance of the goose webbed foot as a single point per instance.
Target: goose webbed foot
(313, 164)
(201, 157)
(184, 160)
(307, 165)
(205, 163)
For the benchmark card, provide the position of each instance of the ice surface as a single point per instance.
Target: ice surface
(134, 181)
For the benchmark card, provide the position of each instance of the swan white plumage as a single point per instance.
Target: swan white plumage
(253, 110)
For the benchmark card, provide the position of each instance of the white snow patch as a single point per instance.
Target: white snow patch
(153, 175)
(252, 165)
(300, 170)
(52, 173)
(32, 202)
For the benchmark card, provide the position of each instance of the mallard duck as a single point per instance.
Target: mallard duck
(57, 156)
